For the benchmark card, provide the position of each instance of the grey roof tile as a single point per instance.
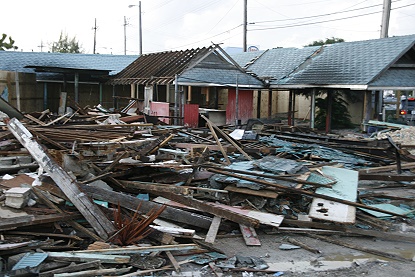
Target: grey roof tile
(16, 61)
(351, 63)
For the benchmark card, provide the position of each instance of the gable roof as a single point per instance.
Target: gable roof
(350, 64)
(202, 66)
(277, 63)
(21, 61)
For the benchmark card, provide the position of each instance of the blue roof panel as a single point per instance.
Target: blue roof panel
(16, 61)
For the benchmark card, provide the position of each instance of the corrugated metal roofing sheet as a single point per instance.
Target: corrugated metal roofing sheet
(157, 68)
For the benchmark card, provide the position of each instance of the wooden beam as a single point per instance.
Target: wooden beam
(360, 248)
(212, 209)
(15, 222)
(230, 140)
(71, 268)
(132, 203)
(250, 236)
(215, 136)
(386, 168)
(101, 224)
(213, 230)
(89, 257)
(138, 250)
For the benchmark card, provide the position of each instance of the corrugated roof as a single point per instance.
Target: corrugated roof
(350, 63)
(157, 68)
(194, 66)
(17, 61)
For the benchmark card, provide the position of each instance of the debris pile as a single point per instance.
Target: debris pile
(96, 193)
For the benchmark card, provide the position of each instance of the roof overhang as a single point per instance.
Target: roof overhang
(306, 86)
(198, 84)
(390, 88)
(67, 70)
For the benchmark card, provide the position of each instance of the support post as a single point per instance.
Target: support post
(313, 109)
(45, 96)
(77, 87)
(17, 83)
(176, 100)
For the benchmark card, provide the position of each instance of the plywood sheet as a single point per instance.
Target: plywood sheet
(345, 188)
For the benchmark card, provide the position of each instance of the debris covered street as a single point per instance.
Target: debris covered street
(103, 194)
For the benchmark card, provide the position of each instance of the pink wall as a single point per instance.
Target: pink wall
(160, 109)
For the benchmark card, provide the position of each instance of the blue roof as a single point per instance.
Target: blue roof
(219, 77)
(351, 63)
(16, 61)
(275, 63)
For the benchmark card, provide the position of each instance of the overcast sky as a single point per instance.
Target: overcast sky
(184, 24)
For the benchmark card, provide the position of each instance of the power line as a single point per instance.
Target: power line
(324, 21)
(314, 16)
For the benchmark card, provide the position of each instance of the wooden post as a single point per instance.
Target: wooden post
(101, 224)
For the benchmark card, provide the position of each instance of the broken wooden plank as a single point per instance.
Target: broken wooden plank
(213, 230)
(386, 168)
(153, 187)
(303, 245)
(269, 219)
(230, 140)
(173, 261)
(140, 249)
(12, 223)
(71, 268)
(215, 136)
(101, 224)
(360, 248)
(35, 120)
(142, 272)
(347, 230)
(262, 193)
(387, 177)
(212, 209)
(89, 257)
(250, 236)
(96, 272)
(132, 203)
(35, 234)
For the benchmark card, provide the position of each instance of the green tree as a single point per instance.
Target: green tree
(6, 45)
(66, 45)
(321, 42)
(340, 116)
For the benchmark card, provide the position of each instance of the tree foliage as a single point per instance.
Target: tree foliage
(321, 42)
(4, 45)
(340, 116)
(66, 45)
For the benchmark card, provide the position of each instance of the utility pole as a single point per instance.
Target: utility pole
(140, 34)
(140, 30)
(385, 18)
(95, 35)
(41, 46)
(125, 36)
(245, 23)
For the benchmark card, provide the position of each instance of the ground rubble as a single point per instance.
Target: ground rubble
(104, 194)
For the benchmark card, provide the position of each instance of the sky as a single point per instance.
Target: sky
(171, 25)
